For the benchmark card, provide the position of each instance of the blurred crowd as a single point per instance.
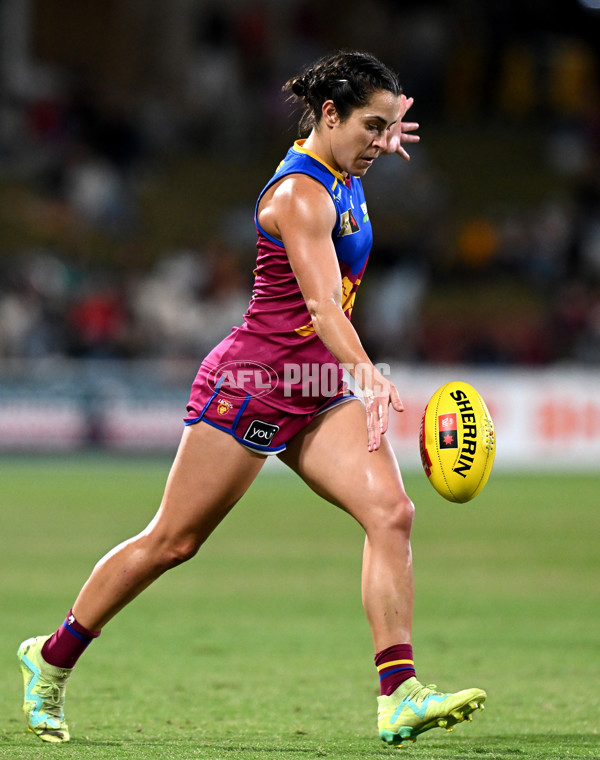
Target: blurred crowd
(516, 281)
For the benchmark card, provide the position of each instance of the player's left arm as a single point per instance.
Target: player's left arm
(402, 131)
(305, 217)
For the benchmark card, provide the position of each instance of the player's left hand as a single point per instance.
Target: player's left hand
(379, 394)
(401, 131)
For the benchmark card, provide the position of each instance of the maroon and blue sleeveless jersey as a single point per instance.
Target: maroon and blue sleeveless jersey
(277, 332)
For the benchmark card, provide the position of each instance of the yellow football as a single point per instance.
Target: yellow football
(457, 442)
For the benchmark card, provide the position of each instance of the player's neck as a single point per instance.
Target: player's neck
(320, 147)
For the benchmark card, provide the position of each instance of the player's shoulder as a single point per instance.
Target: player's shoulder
(300, 197)
(297, 185)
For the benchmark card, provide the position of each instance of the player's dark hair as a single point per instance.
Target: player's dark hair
(349, 78)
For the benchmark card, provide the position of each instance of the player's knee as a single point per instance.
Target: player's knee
(184, 549)
(395, 514)
(176, 551)
(403, 514)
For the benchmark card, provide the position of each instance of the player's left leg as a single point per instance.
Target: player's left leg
(331, 455)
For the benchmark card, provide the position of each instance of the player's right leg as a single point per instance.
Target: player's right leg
(211, 472)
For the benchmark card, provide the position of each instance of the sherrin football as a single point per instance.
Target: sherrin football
(457, 442)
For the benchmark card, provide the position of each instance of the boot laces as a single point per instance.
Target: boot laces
(420, 692)
(53, 695)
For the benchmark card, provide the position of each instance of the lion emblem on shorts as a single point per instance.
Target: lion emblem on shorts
(223, 406)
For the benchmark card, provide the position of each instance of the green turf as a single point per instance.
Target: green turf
(258, 648)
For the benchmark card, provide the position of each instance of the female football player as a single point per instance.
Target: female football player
(274, 386)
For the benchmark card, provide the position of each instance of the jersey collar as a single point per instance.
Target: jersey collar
(299, 146)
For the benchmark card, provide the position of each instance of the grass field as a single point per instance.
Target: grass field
(258, 648)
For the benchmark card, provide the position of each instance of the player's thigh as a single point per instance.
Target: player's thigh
(332, 457)
(210, 473)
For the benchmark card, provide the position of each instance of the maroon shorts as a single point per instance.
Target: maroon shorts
(255, 424)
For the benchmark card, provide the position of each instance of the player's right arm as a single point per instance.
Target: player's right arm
(299, 212)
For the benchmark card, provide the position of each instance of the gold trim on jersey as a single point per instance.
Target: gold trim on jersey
(299, 146)
(349, 289)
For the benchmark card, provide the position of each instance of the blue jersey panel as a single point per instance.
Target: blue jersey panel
(352, 235)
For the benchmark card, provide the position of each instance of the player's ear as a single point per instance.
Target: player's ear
(330, 114)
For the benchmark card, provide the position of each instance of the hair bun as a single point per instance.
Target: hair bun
(299, 87)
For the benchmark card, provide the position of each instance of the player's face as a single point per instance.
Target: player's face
(361, 138)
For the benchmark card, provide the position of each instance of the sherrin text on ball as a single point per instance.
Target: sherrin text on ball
(457, 441)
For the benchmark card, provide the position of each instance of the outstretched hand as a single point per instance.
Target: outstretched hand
(401, 131)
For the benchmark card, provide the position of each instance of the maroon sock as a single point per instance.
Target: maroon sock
(65, 647)
(395, 665)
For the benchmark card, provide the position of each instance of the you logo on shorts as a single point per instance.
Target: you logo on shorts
(260, 432)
